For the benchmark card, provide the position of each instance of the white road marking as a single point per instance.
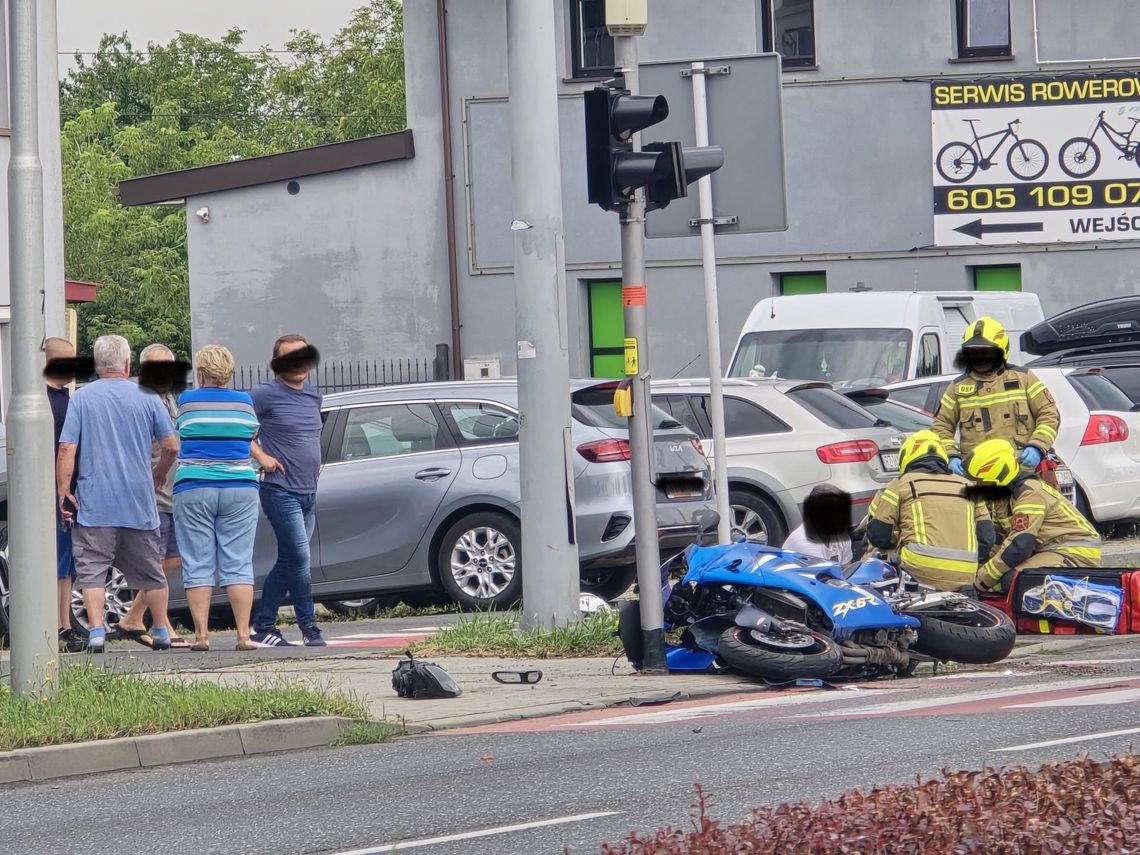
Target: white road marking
(977, 675)
(965, 698)
(400, 845)
(681, 714)
(1121, 696)
(1069, 740)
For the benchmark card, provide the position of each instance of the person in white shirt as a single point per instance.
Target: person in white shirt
(826, 529)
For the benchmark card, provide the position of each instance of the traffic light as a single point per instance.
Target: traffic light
(694, 163)
(613, 169)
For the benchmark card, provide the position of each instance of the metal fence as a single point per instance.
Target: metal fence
(346, 375)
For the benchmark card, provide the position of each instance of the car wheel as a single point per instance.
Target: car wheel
(117, 602)
(5, 591)
(755, 518)
(609, 583)
(479, 561)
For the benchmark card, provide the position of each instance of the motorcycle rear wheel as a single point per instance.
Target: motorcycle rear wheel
(977, 635)
(747, 652)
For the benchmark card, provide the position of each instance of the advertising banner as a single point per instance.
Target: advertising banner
(1036, 159)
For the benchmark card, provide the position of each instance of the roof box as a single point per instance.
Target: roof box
(1105, 322)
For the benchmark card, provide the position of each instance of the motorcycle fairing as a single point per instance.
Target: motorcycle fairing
(850, 607)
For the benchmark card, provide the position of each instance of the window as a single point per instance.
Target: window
(1004, 277)
(1100, 393)
(833, 409)
(479, 423)
(852, 357)
(678, 407)
(592, 47)
(594, 405)
(802, 283)
(389, 430)
(983, 28)
(743, 418)
(929, 356)
(789, 29)
(915, 396)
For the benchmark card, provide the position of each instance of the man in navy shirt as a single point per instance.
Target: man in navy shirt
(61, 350)
(288, 450)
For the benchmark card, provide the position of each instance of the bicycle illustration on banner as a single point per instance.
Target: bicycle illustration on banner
(1080, 156)
(958, 161)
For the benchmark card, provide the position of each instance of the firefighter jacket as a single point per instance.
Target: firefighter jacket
(1038, 523)
(925, 515)
(1009, 404)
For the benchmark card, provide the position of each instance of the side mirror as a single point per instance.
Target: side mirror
(710, 521)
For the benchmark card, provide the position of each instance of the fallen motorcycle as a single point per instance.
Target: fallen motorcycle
(782, 616)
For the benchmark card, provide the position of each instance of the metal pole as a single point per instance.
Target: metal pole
(712, 313)
(641, 423)
(549, 549)
(31, 469)
(55, 305)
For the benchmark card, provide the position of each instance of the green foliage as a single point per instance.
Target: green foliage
(482, 634)
(1073, 806)
(193, 102)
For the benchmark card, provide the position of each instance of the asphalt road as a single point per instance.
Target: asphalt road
(592, 776)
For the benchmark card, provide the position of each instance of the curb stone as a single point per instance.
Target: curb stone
(161, 749)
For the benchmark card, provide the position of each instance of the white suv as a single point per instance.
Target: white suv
(783, 438)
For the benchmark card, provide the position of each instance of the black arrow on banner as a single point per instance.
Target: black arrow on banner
(976, 228)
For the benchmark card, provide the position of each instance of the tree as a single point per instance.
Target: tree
(192, 102)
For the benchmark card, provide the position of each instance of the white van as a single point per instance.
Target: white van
(870, 338)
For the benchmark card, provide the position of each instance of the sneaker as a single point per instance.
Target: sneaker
(270, 638)
(313, 637)
(69, 642)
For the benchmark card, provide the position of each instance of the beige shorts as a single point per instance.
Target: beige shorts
(137, 554)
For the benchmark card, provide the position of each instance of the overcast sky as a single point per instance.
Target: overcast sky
(266, 22)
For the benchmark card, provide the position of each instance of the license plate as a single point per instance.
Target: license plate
(1064, 476)
(890, 461)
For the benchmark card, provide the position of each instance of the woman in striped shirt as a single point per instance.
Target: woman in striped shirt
(216, 494)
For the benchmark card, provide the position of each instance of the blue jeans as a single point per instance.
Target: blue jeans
(215, 528)
(293, 518)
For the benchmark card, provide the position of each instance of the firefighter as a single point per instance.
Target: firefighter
(994, 400)
(927, 516)
(1041, 528)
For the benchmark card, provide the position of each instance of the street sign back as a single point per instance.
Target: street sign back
(745, 118)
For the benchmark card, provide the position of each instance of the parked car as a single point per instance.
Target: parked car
(783, 438)
(1098, 440)
(419, 491)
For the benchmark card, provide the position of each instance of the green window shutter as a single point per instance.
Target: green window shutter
(792, 284)
(1005, 278)
(607, 330)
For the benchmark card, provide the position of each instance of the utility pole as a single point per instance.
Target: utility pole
(549, 548)
(712, 312)
(31, 470)
(633, 294)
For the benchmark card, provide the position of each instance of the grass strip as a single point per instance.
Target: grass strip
(491, 635)
(92, 703)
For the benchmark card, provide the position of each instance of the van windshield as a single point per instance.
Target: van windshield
(851, 358)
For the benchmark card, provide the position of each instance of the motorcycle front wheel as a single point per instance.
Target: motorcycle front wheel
(801, 655)
(971, 633)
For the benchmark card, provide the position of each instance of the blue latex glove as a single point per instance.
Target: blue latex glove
(1031, 457)
(956, 466)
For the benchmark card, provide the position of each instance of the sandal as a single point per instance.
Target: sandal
(139, 635)
(201, 645)
(245, 644)
(177, 642)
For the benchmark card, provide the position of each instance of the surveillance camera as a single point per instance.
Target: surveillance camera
(203, 214)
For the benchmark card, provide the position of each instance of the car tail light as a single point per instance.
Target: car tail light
(697, 445)
(1104, 428)
(605, 450)
(854, 451)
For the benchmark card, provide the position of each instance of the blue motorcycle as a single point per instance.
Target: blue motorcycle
(782, 616)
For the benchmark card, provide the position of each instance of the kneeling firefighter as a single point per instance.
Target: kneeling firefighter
(926, 514)
(1041, 528)
(994, 400)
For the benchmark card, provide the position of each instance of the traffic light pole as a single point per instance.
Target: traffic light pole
(31, 473)
(640, 423)
(550, 583)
